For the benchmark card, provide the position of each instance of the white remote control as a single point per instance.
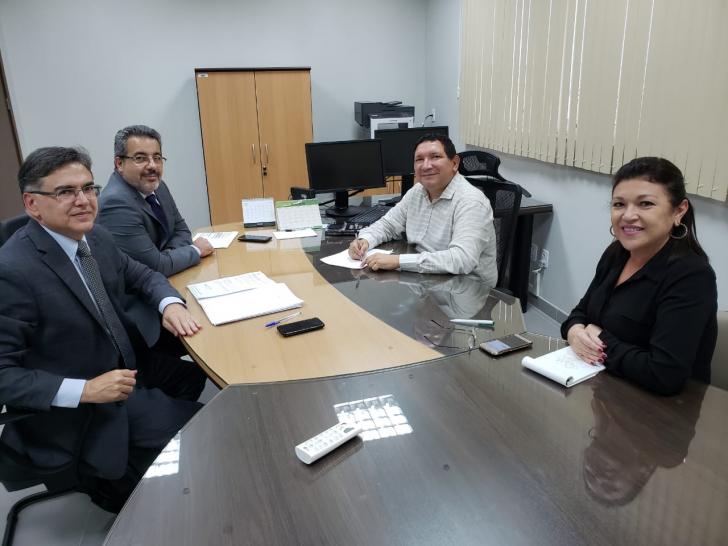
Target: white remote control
(314, 448)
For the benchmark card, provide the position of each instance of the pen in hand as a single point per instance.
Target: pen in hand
(277, 322)
(362, 254)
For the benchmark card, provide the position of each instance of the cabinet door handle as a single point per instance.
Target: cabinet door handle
(267, 156)
(252, 146)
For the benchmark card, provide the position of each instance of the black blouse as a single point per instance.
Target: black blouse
(659, 325)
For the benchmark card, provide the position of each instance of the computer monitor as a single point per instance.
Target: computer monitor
(342, 166)
(398, 150)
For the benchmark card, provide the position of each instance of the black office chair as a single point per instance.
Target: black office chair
(719, 364)
(11, 225)
(505, 198)
(475, 162)
(17, 472)
(483, 164)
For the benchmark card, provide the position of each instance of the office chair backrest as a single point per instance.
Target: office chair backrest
(18, 472)
(475, 162)
(719, 364)
(505, 198)
(484, 164)
(11, 225)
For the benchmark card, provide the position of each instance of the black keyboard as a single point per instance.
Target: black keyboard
(369, 216)
(358, 222)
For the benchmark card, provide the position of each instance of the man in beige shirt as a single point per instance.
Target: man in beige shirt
(448, 219)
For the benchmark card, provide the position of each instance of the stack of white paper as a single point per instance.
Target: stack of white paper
(218, 239)
(562, 366)
(251, 303)
(243, 297)
(229, 285)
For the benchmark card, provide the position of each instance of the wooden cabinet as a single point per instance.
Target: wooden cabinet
(255, 123)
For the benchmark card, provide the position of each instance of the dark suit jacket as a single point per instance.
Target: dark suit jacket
(139, 233)
(136, 230)
(51, 330)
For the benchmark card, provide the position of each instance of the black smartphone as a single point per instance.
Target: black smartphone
(250, 238)
(505, 344)
(300, 327)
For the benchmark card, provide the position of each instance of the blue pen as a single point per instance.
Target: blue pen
(277, 322)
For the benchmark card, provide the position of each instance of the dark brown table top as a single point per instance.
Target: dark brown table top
(466, 449)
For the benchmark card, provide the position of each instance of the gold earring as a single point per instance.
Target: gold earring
(684, 233)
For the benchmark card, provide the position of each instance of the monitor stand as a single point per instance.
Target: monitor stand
(408, 180)
(341, 208)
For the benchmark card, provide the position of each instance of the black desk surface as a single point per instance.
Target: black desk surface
(529, 205)
(420, 305)
(480, 452)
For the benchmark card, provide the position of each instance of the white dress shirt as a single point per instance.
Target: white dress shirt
(453, 234)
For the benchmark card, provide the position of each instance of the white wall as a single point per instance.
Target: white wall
(577, 232)
(443, 64)
(80, 70)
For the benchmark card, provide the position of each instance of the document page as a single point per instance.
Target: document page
(218, 239)
(342, 258)
(562, 366)
(264, 300)
(229, 285)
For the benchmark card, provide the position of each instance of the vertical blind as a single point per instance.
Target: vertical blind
(595, 83)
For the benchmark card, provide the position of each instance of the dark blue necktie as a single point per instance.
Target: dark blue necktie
(157, 210)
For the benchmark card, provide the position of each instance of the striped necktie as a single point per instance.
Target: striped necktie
(116, 330)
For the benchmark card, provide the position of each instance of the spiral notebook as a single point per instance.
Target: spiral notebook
(562, 366)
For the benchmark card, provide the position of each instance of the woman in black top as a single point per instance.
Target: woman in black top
(649, 314)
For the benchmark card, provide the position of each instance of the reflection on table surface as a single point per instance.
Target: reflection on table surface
(466, 449)
(626, 449)
(374, 320)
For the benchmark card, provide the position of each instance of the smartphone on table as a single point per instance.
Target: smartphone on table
(250, 238)
(505, 344)
(300, 327)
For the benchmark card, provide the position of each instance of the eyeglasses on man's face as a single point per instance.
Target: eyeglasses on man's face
(68, 195)
(143, 159)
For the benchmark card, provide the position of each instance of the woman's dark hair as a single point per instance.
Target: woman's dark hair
(661, 171)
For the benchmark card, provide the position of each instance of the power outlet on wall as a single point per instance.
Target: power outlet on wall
(534, 253)
(544, 258)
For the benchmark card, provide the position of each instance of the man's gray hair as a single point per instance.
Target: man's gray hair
(133, 131)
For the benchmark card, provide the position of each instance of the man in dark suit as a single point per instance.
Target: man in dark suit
(67, 348)
(138, 209)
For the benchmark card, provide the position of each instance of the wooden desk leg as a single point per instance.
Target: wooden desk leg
(521, 260)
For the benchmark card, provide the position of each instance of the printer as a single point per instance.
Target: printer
(383, 115)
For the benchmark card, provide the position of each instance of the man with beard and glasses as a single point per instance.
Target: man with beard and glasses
(138, 209)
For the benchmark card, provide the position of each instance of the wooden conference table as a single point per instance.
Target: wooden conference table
(460, 449)
(373, 320)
